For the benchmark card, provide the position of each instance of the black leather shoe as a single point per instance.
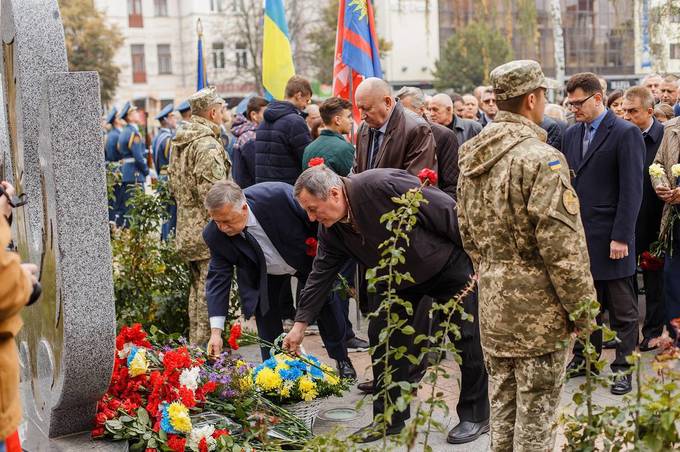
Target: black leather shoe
(346, 370)
(374, 432)
(610, 344)
(356, 344)
(622, 385)
(366, 386)
(467, 431)
(644, 345)
(577, 368)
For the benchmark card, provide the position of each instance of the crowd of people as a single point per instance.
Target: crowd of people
(548, 204)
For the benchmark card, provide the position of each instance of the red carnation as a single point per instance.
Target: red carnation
(312, 245)
(234, 335)
(176, 443)
(97, 432)
(203, 445)
(316, 161)
(426, 174)
(187, 397)
(650, 262)
(219, 433)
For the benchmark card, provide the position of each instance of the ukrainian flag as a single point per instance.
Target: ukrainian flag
(277, 56)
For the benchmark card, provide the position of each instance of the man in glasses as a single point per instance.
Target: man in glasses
(606, 158)
(488, 107)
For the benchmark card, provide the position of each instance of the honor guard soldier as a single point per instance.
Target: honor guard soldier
(132, 152)
(184, 110)
(112, 157)
(161, 147)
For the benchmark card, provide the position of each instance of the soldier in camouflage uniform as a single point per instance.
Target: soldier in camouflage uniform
(520, 224)
(197, 161)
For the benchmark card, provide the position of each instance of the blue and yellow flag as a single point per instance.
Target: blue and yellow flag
(277, 56)
(202, 80)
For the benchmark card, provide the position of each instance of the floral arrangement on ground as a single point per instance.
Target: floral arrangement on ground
(166, 395)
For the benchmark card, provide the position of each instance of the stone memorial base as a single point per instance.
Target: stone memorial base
(72, 443)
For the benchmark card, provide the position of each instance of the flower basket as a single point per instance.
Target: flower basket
(305, 411)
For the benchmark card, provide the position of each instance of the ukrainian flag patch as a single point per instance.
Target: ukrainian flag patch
(555, 165)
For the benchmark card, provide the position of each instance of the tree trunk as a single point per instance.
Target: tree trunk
(558, 39)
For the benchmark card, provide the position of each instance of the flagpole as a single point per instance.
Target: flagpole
(199, 30)
(351, 100)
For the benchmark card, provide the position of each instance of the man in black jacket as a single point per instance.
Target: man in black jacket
(638, 108)
(350, 227)
(265, 234)
(282, 137)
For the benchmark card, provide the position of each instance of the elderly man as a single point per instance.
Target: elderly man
(488, 106)
(668, 90)
(441, 112)
(244, 233)
(471, 109)
(413, 99)
(653, 82)
(350, 227)
(390, 136)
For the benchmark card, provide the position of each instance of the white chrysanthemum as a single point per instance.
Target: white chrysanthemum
(656, 170)
(675, 170)
(125, 352)
(197, 434)
(189, 378)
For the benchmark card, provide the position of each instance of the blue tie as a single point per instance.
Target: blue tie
(587, 138)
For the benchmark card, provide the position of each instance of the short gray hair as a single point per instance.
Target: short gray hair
(416, 94)
(317, 181)
(224, 193)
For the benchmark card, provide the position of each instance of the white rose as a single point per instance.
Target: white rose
(189, 378)
(198, 433)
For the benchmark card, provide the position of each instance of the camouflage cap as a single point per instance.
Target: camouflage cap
(204, 98)
(518, 77)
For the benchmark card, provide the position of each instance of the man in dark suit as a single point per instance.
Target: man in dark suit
(350, 227)
(264, 233)
(554, 130)
(606, 157)
(390, 136)
(638, 108)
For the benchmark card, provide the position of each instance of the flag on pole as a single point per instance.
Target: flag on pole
(356, 49)
(277, 56)
(202, 79)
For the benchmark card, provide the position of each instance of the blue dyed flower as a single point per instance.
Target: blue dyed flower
(165, 420)
(271, 363)
(291, 374)
(131, 356)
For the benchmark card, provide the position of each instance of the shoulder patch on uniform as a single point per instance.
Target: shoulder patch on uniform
(555, 165)
(570, 202)
(137, 139)
(218, 172)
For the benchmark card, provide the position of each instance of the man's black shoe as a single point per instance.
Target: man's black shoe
(622, 385)
(374, 432)
(644, 345)
(466, 432)
(577, 368)
(610, 344)
(346, 370)
(356, 344)
(369, 388)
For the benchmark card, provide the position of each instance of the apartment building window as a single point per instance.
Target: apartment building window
(218, 55)
(138, 64)
(135, 18)
(160, 7)
(216, 6)
(164, 59)
(241, 55)
(675, 51)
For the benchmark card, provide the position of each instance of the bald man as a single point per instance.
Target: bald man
(390, 136)
(441, 112)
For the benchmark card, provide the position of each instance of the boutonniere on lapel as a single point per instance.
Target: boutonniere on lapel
(312, 245)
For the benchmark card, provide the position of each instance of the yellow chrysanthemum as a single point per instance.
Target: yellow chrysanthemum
(656, 170)
(285, 390)
(267, 379)
(139, 364)
(307, 389)
(246, 382)
(675, 170)
(179, 417)
(332, 379)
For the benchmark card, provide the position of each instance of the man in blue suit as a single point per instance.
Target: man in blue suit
(606, 158)
(265, 234)
(112, 156)
(132, 153)
(161, 146)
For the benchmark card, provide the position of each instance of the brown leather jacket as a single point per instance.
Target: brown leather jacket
(15, 289)
(408, 144)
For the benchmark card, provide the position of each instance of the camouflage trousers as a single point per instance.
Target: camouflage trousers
(199, 324)
(524, 395)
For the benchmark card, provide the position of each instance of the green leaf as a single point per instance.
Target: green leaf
(408, 330)
(143, 416)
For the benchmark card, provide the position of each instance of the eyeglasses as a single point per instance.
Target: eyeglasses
(579, 103)
(14, 201)
(489, 101)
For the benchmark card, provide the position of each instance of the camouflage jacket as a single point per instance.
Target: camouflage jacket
(197, 161)
(667, 156)
(520, 223)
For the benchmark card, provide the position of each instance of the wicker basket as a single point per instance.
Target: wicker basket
(306, 411)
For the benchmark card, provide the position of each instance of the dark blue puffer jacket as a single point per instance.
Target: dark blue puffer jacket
(280, 141)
